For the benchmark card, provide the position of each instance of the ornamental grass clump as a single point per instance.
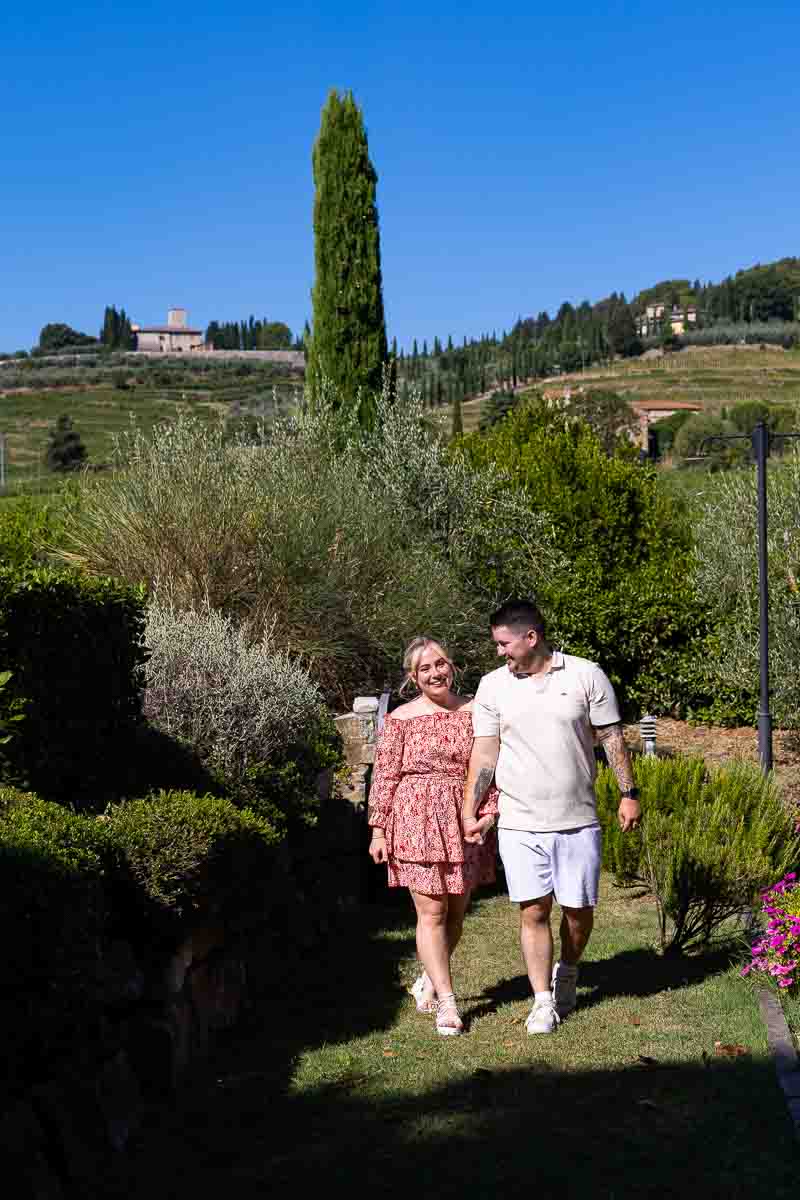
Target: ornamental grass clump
(776, 954)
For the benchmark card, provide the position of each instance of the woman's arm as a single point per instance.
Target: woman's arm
(386, 775)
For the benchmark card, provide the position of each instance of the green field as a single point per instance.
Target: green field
(715, 378)
(100, 413)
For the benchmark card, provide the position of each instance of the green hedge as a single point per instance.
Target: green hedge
(73, 646)
(146, 872)
(52, 911)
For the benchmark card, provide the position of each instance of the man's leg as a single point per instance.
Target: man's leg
(537, 949)
(536, 938)
(576, 928)
(576, 873)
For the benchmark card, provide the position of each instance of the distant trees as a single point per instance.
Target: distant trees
(58, 336)
(608, 415)
(622, 336)
(251, 334)
(348, 338)
(65, 450)
(116, 333)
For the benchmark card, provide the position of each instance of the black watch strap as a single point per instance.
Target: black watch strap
(630, 794)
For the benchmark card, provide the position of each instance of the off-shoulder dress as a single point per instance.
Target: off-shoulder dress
(415, 797)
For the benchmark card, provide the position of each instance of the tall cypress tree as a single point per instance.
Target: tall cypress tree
(348, 342)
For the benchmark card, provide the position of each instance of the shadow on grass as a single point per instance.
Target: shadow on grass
(718, 1128)
(684, 1129)
(638, 972)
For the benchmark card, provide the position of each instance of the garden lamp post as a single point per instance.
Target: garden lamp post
(760, 441)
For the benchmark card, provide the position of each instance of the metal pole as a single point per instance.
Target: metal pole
(761, 451)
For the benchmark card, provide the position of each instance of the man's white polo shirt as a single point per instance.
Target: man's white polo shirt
(546, 769)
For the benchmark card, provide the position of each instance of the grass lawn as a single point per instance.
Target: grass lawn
(339, 1084)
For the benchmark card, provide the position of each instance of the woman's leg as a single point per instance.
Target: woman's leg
(456, 911)
(432, 940)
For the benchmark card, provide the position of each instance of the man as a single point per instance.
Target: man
(536, 721)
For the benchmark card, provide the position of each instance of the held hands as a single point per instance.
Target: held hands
(629, 813)
(377, 847)
(475, 830)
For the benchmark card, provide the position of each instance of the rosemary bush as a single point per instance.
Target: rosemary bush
(711, 839)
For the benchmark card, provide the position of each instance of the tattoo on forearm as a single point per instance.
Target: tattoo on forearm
(617, 756)
(482, 784)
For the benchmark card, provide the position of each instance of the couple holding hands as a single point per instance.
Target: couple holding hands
(520, 754)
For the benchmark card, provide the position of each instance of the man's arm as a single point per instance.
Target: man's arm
(611, 739)
(482, 762)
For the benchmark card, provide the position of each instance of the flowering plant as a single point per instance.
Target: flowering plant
(777, 952)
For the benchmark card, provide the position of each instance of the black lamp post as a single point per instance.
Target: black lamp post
(760, 440)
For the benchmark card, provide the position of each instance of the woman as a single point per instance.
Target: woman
(415, 813)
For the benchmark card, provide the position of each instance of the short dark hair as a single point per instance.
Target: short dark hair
(518, 614)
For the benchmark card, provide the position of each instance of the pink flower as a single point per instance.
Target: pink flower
(785, 982)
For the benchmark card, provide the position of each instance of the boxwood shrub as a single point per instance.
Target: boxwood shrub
(145, 871)
(180, 857)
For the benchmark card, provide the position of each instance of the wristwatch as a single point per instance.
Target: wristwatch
(630, 794)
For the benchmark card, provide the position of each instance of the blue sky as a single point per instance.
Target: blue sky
(159, 154)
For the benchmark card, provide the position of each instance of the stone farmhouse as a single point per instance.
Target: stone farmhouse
(175, 337)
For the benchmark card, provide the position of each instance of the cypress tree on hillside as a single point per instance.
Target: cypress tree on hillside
(65, 450)
(348, 342)
(457, 427)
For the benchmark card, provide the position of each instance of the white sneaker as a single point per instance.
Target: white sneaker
(543, 1018)
(564, 988)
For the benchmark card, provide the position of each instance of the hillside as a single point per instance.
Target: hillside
(105, 396)
(715, 378)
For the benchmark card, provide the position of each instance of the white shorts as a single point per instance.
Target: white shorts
(566, 863)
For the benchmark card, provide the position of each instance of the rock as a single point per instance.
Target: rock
(122, 979)
(175, 972)
(366, 705)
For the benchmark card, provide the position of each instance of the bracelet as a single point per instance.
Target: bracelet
(378, 833)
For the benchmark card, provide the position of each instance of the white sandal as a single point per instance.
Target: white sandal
(448, 1022)
(417, 990)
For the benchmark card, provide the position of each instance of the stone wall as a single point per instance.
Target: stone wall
(68, 1135)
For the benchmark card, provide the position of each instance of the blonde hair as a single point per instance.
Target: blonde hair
(412, 650)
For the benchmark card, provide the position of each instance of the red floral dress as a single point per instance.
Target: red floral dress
(415, 797)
